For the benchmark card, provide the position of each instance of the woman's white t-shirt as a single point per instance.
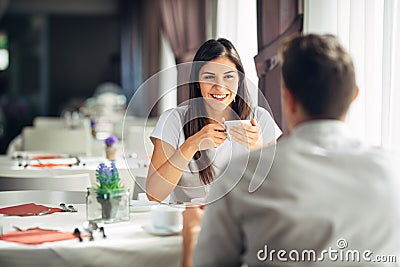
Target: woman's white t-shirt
(169, 129)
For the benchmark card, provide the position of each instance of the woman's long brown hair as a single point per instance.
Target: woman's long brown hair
(196, 117)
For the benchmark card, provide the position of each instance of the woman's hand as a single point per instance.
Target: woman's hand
(247, 135)
(168, 163)
(210, 136)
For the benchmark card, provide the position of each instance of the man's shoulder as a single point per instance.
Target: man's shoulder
(247, 171)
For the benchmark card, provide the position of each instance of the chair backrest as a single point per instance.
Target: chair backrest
(136, 121)
(42, 197)
(48, 122)
(76, 141)
(58, 122)
(139, 175)
(137, 140)
(74, 182)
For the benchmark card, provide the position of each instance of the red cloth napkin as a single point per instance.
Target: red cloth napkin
(36, 236)
(49, 156)
(29, 209)
(49, 165)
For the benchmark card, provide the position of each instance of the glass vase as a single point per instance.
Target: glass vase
(108, 207)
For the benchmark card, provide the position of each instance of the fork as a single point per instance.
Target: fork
(43, 212)
(40, 213)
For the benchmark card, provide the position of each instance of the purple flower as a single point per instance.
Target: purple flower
(92, 123)
(112, 140)
(108, 178)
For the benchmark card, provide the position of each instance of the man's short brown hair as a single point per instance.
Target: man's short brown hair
(319, 73)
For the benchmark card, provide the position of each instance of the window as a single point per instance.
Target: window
(370, 31)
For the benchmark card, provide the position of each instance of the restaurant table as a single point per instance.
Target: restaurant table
(133, 171)
(126, 244)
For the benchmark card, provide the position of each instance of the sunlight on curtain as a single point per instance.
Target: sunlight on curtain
(368, 30)
(391, 129)
(237, 22)
(168, 96)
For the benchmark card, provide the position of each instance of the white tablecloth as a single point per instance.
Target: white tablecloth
(127, 244)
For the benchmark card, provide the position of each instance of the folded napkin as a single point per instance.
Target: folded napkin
(47, 156)
(29, 209)
(36, 236)
(50, 165)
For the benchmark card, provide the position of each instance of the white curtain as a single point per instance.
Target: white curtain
(168, 76)
(237, 22)
(370, 30)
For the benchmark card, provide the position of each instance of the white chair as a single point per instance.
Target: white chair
(42, 197)
(58, 123)
(23, 173)
(139, 176)
(137, 141)
(75, 182)
(136, 121)
(69, 141)
(48, 122)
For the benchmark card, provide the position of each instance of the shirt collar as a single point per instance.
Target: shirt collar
(328, 134)
(321, 127)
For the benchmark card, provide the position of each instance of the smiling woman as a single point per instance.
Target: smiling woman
(191, 147)
(219, 81)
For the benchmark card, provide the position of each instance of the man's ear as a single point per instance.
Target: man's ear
(289, 99)
(356, 91)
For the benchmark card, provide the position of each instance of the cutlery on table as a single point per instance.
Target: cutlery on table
(70, 208)
(77, 233)
(40, 213)
(64, 207)
(102, 231)
(90, 226)
(17, 228)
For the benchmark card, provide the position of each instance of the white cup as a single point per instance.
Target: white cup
(236, 123)
(166, 217)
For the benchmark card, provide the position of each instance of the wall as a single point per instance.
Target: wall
(81, 51)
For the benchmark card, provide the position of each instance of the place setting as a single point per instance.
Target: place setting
(142, 204)
(42, 233)
(36, 235)
(89, 227)
(33, 235)
(165, 220)
(32, 209)
(46, 160)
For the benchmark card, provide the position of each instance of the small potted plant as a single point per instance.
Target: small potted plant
(111, 148)
(110, 194)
